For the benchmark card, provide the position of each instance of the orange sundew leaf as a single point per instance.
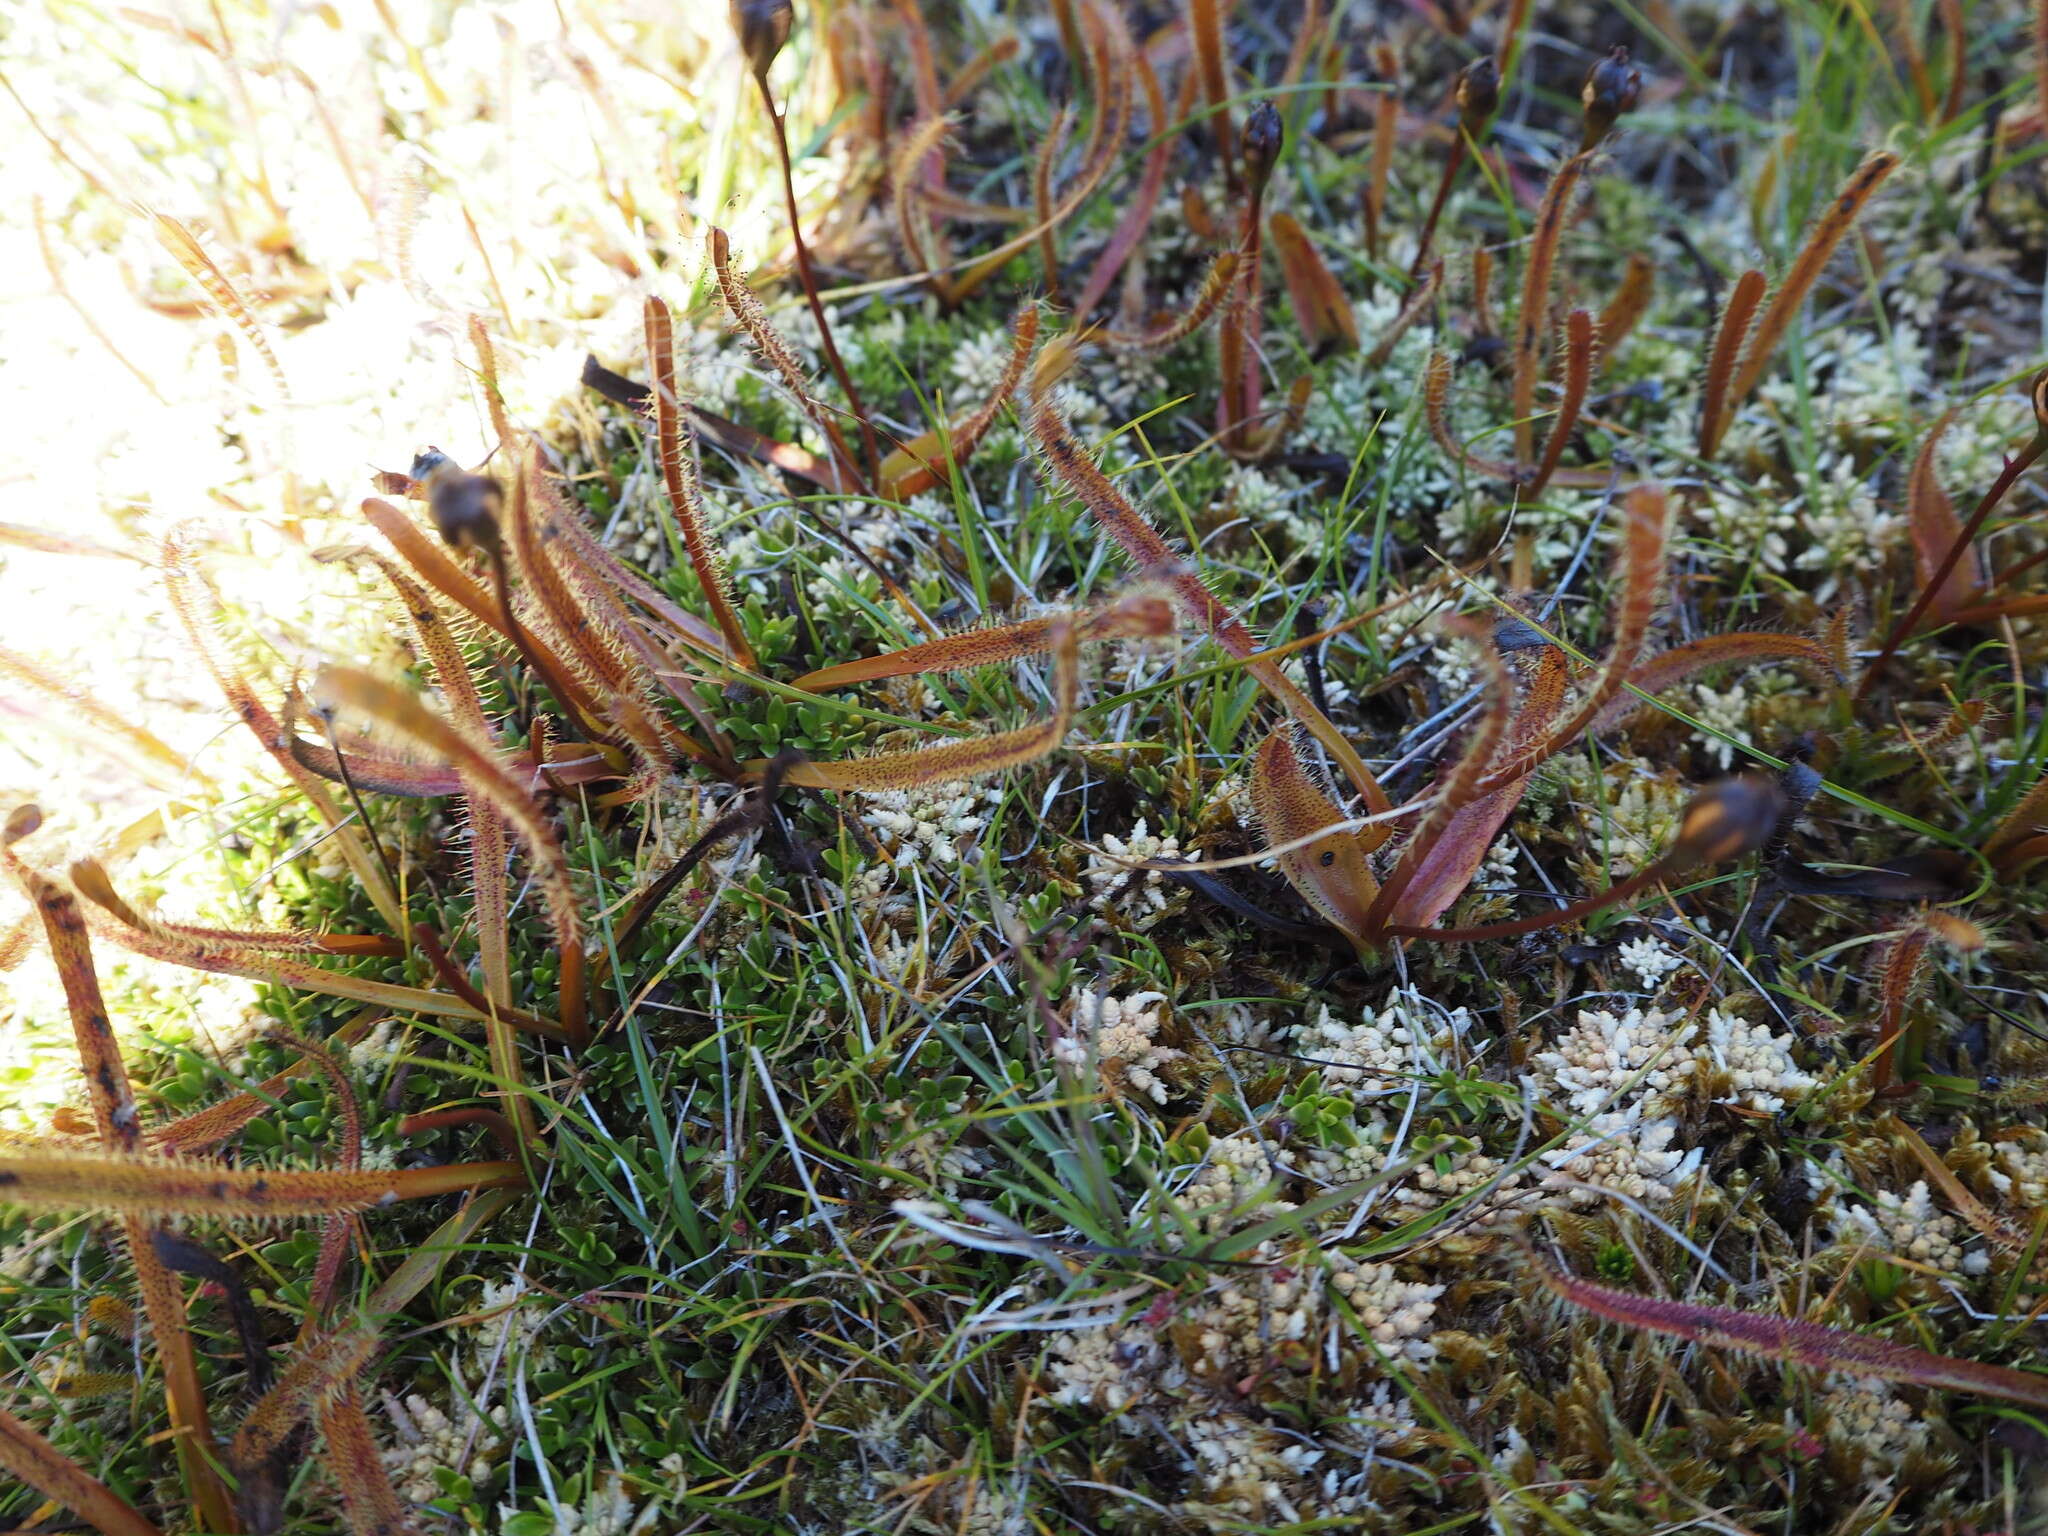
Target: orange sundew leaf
(1436, 402)
(487, 849)
(1457, 789)
(536, 547)
(207, 1128)
(578, 597)
(1533, 318)
(277, 969)
(481, 767)
(967, 211)
(922, 245)
(748, 315)
(198, 609)
(30, 1457)
(932, 456)
(1137, 216)
(288, 941)
(1646, 519)
(1716, 401)
(370, 1506)
(1321, 308)
(1216, 287)
(1835, 222)
(2019, 827)
(1669, 668)
(679, 473)
(1054, 141)
(1205, 27)
(1135, 615)
(1111, 72)
(435, 567)
(973, 757)
(228, 300)
(94, 723)
(43, 1176)
(591, 586)
(1386, 122)
(15, 941)
(1333, 874)
(1626, 309)
(1451, 858)
(375, 775)
(120, 1133)
(77, 1385)
(321, 1367)
(1071, 465)
(50, 542)
(1931, 518)
(1724, 821)
(1578, 376)
(1795, 1341)
(1414, 309)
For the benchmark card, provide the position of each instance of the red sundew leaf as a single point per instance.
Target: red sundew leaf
(1814, 1346)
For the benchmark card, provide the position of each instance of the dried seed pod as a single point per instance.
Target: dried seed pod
(1263, 133)
(762, 27)
(1612, 87)
(1728, 819)
(464, 506)
(1478, 94)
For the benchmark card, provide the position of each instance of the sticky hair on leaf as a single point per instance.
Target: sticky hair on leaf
(1137, 614)
(480, 765)
(1333, 874)
(1795, 1341)
(932, 457)
(44, 1177)
(1835, 221)
(678, 474)
(974, 757)
(1070, 465)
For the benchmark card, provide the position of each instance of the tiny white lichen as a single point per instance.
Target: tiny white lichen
(1623, 1152)
(1640, 1058)
(1751, 1066)
(1118, 1033)
(1139, 897)
(935, 825)
(1912, 1228)
(429, 1440)
(1650, 959)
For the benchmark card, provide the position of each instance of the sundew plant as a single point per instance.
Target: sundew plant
(1024, 767)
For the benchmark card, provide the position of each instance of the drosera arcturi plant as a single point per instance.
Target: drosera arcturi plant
(622, 708)
(122, 1178)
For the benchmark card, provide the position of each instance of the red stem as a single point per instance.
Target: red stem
(803, 267)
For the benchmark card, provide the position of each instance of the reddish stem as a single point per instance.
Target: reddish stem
(2008, 477)
(810, 282)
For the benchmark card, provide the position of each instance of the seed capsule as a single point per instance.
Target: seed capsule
(464, 506)
(1612, 87)
(763, 27)
(1478, 94)
(1728, 819)
(1263, 133)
